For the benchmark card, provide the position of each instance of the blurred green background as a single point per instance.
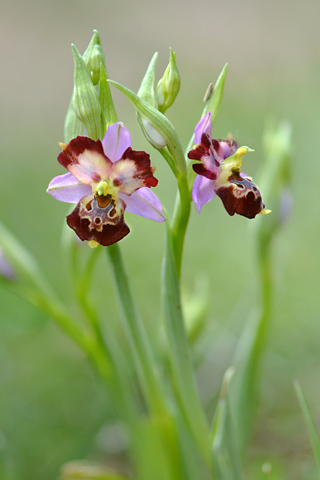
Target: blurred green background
(53, 409)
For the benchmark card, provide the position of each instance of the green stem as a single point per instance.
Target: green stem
(135, 333)
(179, 353)
(180, 220)
(170, 160)
(165, 429)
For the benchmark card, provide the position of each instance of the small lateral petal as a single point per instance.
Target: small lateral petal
(85, 159)
(226, 148)
(132, 171)
(67, 188)
(201, 169)
(116, 141)
(202, 191)
(145, 203)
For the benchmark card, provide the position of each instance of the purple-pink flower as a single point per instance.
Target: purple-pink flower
(104, 179)
(219, 173)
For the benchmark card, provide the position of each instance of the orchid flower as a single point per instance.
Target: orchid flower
(219, 173)
(105, 179)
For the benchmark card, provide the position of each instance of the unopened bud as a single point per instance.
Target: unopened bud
(85, 97)
(97, 57)
(95, 40)
(151, 134)
(146, 91)
(72, 125)
(169, 85)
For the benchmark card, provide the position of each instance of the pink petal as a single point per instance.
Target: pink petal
(116, 141)
(202, 191)
(67, 188)
(132, 171)
(226, 148)
(85, 159)
(204, 126)
(144, 203)
(210, 166)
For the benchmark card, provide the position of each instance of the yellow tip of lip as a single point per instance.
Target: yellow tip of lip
(265, 211)
(63, 145)
(93, 244)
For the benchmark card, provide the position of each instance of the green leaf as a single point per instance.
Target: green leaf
(35, 288)
(225, 459)
(243, 390)
(81, 471)
(312, 431)
(215, 94)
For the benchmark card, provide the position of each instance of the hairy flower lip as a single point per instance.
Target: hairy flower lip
(106, 169)
(218, 173)
(96, 224)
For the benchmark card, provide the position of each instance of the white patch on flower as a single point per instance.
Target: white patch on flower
(92, 165)
(123, 172)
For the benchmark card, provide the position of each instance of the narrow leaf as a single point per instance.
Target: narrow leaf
(312, 431)
(215, 96)
(243, 391)
(225, 460)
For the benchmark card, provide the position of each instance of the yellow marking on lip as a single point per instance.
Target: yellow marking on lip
(93, 244)
(63, 145)
(265, 211)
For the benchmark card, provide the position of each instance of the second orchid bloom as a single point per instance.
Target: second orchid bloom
(219, 174)
(105, 179)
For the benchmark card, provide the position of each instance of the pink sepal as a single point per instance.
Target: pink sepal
(116, 141)
(67, 188)
(144, 203)
(202, 191)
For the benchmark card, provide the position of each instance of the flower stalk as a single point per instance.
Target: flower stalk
(135, 332)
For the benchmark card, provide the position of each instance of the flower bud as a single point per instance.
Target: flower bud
(95, 40)
(151, 133)
(146, 92)
(169, 85)
(72, 125)
(85, 98)
(97, 57)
